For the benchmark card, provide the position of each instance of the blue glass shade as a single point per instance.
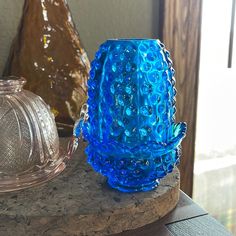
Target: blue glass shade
(131, 130)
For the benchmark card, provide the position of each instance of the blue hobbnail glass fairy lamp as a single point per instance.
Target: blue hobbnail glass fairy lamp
(131, 130)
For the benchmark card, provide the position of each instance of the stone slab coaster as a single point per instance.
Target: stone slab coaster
(79, 202)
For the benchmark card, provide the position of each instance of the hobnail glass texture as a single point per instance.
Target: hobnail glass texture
(131, 130)
(29, 143)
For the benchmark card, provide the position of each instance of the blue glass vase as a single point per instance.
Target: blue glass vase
(131, 132)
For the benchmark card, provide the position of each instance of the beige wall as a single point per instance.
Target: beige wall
(96, 21)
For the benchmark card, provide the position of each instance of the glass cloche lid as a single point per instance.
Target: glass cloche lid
(30, 152)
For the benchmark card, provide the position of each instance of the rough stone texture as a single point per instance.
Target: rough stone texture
(79, 202)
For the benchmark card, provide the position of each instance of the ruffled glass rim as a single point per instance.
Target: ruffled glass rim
(132, 39)
(11, 84)
(156, 148)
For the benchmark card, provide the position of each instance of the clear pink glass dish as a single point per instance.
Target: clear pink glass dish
(30, 152)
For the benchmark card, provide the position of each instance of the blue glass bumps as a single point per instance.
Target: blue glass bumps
(132, 137)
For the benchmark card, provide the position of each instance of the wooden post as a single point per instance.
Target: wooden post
(180, 30)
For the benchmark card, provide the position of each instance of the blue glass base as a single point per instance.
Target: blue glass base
(130, 173)
(133, 188)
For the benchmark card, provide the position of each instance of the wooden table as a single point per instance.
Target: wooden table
(187, 219)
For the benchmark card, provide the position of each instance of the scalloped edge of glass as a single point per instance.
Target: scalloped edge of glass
(36, 176)
(157, 148)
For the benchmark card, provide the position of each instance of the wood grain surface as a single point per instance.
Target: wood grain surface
(181, 27)
(204, 225)
(185, 220)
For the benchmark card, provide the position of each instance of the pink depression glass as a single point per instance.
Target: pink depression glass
(29, 142)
